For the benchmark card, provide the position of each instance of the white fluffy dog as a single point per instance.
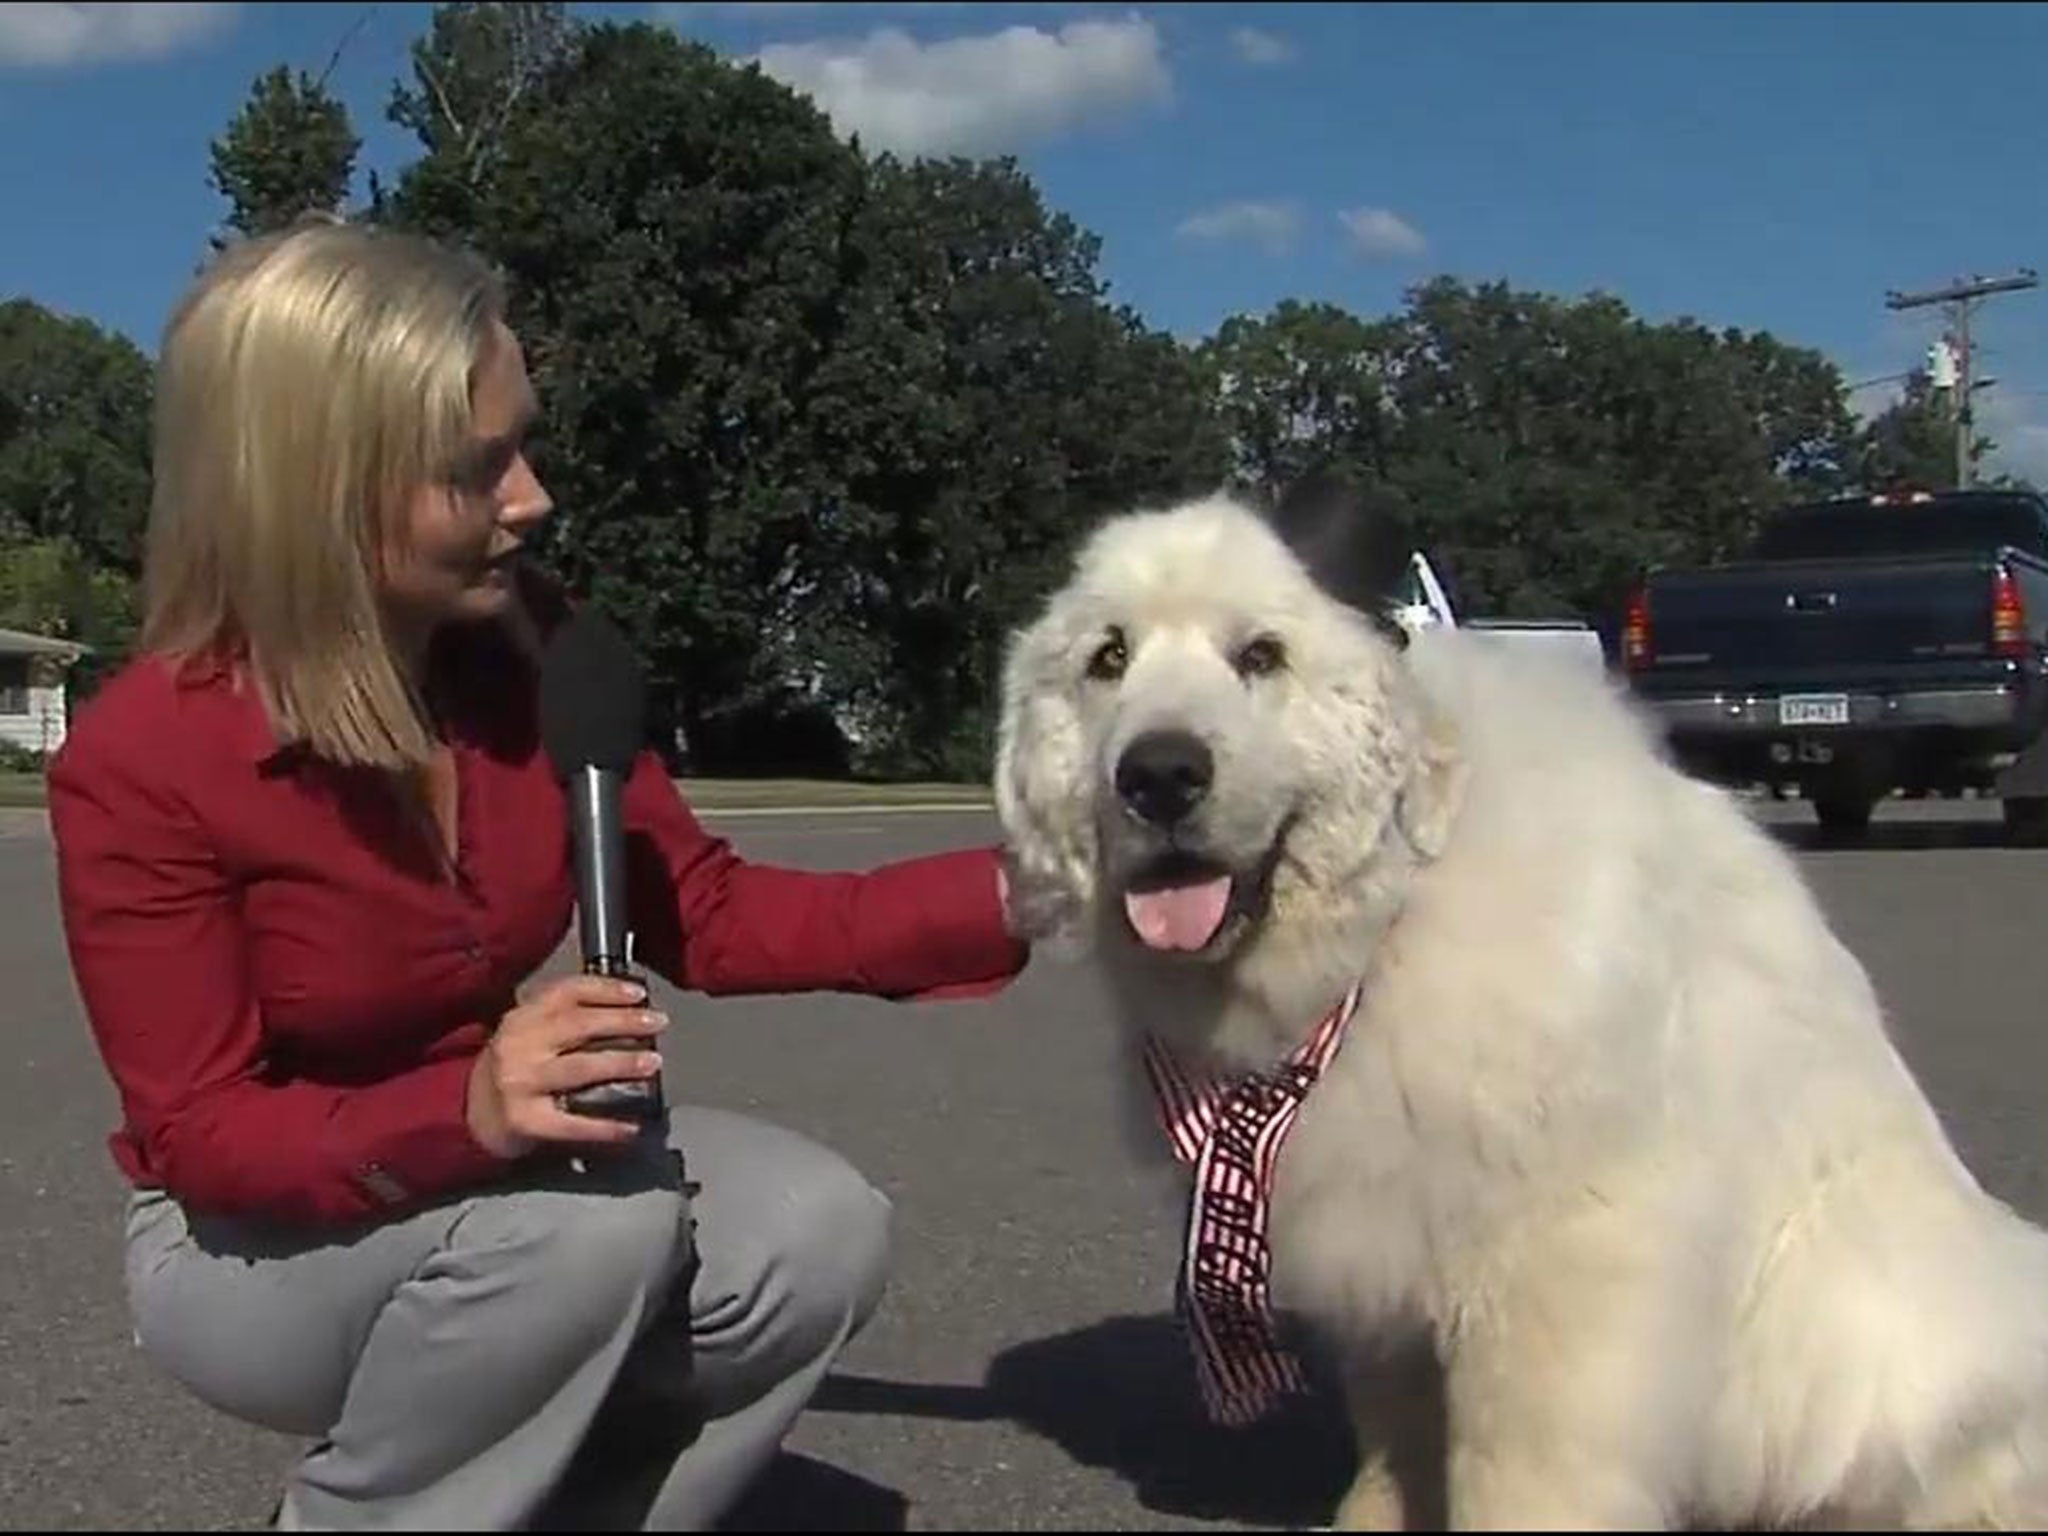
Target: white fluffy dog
(1617, 1142)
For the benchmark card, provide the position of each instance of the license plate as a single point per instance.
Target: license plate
(1814, 709)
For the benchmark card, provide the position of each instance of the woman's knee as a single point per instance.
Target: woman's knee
(843, 1243)
(271, 1328)
(792, 1237)
(827, 1247)
(231, 1326)
(592, 1254)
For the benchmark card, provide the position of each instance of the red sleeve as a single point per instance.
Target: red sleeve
(150, 920)
(921, 929)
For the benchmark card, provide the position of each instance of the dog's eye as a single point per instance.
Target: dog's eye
(1107, 664)
(1260, 658)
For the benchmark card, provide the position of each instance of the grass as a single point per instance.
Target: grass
(740, 794)
(17, 789)
(26, 789)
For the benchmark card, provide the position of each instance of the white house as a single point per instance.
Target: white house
(33, 704)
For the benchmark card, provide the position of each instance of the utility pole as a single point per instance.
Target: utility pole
(1960, 296)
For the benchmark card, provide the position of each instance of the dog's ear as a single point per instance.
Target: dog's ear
(1353, 540)
(1042, 792)
(1435, 791)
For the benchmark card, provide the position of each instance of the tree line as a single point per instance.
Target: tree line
(822, 424)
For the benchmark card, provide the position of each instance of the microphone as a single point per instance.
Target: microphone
(593, 714)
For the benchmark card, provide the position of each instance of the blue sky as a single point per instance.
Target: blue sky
(1769, 167)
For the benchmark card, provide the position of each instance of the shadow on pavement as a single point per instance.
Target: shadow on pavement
(1884, 836)
(1120, 1395)
(797, 1493)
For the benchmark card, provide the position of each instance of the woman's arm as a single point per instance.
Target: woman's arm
(158, 951)
(924, 928)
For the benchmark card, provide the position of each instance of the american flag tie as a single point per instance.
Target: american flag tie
(1230, 1130)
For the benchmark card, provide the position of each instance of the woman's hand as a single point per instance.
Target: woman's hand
(512, 1103)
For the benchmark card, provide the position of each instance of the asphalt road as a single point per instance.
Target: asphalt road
(1022, 1371)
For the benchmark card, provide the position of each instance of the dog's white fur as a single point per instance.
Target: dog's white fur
(1617, 1130)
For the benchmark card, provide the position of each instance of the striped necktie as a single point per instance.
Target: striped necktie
(1230, 1130)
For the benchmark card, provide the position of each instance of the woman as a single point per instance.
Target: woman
(309, 847)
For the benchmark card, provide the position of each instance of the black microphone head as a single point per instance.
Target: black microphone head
(593, 696)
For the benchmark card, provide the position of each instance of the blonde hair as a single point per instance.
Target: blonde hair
(309, 383)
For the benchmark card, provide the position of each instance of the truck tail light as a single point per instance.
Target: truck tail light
(1636, 652)
(2008, 615)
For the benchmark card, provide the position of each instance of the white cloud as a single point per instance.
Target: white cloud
(1256, 47)
(677, 11)
(56, 35)
(980, 94)
(1380, 234)
(1271, 225)
(2014, 420)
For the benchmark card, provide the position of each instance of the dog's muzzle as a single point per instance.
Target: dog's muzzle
(1182, 895)
(1162, 776)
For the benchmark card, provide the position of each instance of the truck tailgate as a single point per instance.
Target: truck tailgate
(1790, 617)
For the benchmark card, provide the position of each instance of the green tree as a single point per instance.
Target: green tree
(1545, 450)
(1306, 385)
(1017, 407)
(74, 435)
(670, 224)
(818, 425)
(821, 426)
(290, 150)
(50, 587)
(1799, 403)
(1912, 442)
(479, 69)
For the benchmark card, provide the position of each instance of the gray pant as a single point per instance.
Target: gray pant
(450, 1364)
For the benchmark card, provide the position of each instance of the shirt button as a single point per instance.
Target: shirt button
(474, 950)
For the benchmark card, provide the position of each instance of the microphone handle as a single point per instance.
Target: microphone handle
(631, 1098)
(596, 828)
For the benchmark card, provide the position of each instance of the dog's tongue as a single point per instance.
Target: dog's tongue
(1179, 916)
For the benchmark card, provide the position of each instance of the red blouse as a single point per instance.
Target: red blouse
(288, 992)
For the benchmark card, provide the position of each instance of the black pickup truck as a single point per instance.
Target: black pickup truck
(1861, 646)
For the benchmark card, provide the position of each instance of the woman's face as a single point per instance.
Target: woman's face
(464, 532)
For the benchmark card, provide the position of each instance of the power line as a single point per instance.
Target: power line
(341, 47)
(1960, 298)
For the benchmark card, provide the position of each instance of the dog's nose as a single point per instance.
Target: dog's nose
(1163, 775)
